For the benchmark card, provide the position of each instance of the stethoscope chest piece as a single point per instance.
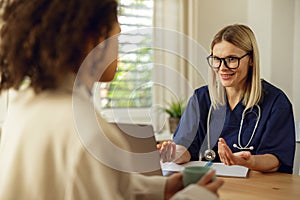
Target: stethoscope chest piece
(209, 155)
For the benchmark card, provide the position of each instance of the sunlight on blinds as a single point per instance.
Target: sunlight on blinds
(132, 86)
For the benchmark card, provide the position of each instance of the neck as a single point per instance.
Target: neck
(234, 96)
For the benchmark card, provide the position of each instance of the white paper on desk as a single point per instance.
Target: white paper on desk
(171, 167)
(221, 168)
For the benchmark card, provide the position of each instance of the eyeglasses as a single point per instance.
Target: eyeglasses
(230, 62)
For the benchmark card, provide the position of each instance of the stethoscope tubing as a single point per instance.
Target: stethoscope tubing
(239, 146)
(209, 151)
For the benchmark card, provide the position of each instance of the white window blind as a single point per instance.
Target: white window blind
(132, 86)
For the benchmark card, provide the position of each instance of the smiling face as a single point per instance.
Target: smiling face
(231, 78)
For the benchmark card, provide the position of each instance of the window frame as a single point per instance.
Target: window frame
(136, 115)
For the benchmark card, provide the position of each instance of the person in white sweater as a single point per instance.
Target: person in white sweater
(51, 147)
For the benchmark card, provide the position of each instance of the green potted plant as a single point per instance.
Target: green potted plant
(175, 110)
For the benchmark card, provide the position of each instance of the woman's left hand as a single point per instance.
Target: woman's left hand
(229, 158)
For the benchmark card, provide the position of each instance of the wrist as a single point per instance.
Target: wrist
(182, 155)
(251, 162)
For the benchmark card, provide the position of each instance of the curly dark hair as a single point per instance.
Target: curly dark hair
(45, 39)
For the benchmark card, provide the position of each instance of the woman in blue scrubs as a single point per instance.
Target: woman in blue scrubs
(238, 118)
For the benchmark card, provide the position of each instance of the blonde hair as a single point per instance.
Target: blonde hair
(242, 37)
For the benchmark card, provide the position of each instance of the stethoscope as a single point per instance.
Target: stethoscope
(210, 154)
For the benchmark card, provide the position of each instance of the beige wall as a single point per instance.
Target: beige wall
(296, 63)
(215, 14)
(277, 26)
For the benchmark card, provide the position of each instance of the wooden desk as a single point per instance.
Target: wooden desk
(261, 186)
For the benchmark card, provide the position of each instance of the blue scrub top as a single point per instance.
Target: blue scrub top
(275, 133)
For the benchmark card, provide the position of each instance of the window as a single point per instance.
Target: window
(132, 86)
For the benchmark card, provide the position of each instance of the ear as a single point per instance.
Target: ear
(251, 61)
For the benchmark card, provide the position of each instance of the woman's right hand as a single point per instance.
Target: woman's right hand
(175, 184)
(167, 151)
(213, 186)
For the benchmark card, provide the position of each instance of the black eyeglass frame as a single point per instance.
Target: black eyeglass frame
(225, 62)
